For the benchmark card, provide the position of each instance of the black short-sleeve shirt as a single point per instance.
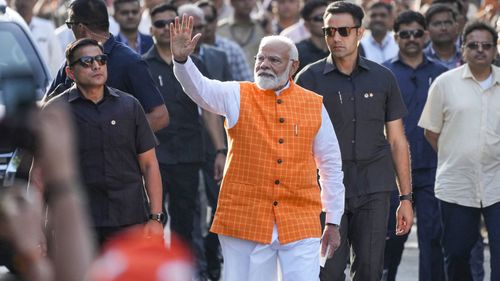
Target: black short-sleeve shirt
(359, 106)
(110, 136)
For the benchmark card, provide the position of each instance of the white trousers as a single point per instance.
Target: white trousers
(249, 261)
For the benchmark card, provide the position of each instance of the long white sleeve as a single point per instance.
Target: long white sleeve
(329, 162)
(222, 98)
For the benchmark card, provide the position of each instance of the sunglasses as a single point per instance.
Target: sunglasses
(88, 61)
(484, 45)
(318, 18)
(343, 31)
(406, 34)
(163, 23)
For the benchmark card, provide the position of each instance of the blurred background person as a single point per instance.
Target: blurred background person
(43, 32)
(313, 48)
(243, 29)
(286, 13)
(127, 13)
(239, 67)
(443, 33)
(378, 44)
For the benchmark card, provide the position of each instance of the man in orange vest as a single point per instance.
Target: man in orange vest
(279, 134)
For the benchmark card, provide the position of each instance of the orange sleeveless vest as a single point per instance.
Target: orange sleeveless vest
(270, 175)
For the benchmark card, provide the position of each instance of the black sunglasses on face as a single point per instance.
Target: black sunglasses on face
(318, 18)
(88, 61)
(406, 34)
(343, 31)
(163, 23)
(475, 45)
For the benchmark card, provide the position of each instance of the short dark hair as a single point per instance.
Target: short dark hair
(310, 6)
(92, 13)
(117, 3)
(408, 17)
(163, 8)
(437, 9)
(77, 44)
(207, 3)
(375, 5)
(340, 7)
(479, 25)
(458, 4)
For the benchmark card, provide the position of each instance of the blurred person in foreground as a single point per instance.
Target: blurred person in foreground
(72, 250)
(461, 122)
(278, 135)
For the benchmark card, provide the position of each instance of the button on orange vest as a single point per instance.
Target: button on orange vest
(270, 176)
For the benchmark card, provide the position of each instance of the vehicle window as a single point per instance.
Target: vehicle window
(18, 55)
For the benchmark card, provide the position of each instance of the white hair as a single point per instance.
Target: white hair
(191, 10)
(293, 52)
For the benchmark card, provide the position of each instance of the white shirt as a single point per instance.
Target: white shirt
(379, 52)
(223, 98)
(145, 24)
(297, 32)
(43, 32)
(467, 118)
(65, 36)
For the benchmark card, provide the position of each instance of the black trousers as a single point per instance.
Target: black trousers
(180, 184)
(363, 230)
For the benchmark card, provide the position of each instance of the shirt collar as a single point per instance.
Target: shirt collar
(397, 59)
(153, 54)
(109, 44)
(75, 94)
(467, 74)
(122, 38)
(330, 64)
(385, 41)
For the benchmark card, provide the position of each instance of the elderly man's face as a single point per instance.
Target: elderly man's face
(272, 66)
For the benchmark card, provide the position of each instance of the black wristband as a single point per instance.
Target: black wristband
(221, 151)
(181, 62)
(408, 197)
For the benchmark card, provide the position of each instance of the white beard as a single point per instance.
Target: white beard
(271, 83)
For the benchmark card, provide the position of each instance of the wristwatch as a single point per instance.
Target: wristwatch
(408, 197)
(160, 217)
(221, 151)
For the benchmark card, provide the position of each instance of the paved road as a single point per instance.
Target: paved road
(408, 270)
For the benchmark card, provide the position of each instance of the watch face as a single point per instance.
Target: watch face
(158, 217)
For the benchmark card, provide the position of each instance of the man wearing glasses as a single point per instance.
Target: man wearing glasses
(462, 123)
(313, 48)
(415, 73)
(366, 108)
(116, 146)
(127, 71)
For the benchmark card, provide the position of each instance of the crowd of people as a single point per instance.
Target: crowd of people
(359, 118)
